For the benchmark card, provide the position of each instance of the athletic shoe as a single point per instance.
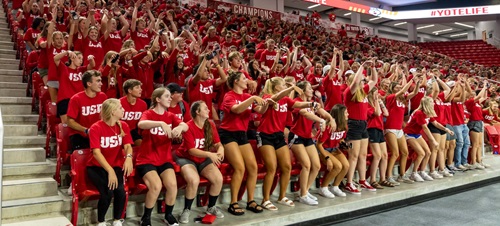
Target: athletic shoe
(118, 223)
(478, 166)
(312, 196)
(184, 218)
(415, 177)
(445, 173)
(367, 186)
(308, 201)
(425, 176)
(103, 224)
(406, 179)
(468, 166)
(461, 167)
(336, 191)
(350, 188)
(451, 169)
(436, 175)
(485, 165)
(170, 220)
(391, 179)
(323, 191)
(215, 211)
(70, 191)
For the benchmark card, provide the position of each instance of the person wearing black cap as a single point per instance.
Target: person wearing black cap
(178, 106)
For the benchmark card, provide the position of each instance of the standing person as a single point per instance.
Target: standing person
(459, 126)
(237, 107)
(475, 124)
(329, 149)
(333, 82)
(357, 135)
(271, 139)
(451, 141)
(200, 155)
(154, 160)
(110, 141)
(134, 107)
(301, 142)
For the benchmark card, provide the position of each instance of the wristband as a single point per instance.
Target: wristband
(87, 131)
(128, 156)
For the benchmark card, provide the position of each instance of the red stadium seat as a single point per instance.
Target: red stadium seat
(52, 122)
(62, 138)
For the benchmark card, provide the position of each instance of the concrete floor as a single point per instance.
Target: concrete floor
(475, 207)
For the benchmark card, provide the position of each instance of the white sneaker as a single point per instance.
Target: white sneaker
(184, 217)
(323, 191)
(336, 191)
(436, 175)
(461, 167)
(118, 222)
(485, 165)
(478, 166)
(468, 166)
(103, 224)
(393, 181)
(445, 173)
(308, 201)
(312, 196)
(405, 179)
(425, 176)
(70, 191)
(415, 177)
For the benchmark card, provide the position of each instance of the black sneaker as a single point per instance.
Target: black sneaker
(170, 220)
(145, 222)
(451, 169)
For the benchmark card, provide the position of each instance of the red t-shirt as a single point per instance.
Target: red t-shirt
(85, 110)
(315, 79)
(416, 121)
(94, 48)
(108, 140)
(70, 81)
(274, 119)
(333, 92)
(53, 68)
(302, 126)
(202, 90)
(113, 42)
(268, 58)
(376, 122)
(439, 108)
(156, 147)
(356, 110)
(474, 109)
(195, 138)
(488, 117)
(209, 43)
(178, 112)
(331, 139)
(133, 113)
(43, 62)
(396, 111)
(297, 74)
(457, 113)
(415, 101)
(141, 39)
(31, 35)
(232, 121)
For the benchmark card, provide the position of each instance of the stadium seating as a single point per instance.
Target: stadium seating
(476, 51)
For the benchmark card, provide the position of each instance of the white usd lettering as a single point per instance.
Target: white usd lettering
(200, 143)
(75, 77)
(158, 130)
(337, 135)
(206, 90)
(111, 142)
(90, 110)
(132, 116)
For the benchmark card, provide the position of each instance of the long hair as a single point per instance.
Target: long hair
(157, 94)
(371, 96)
(360, 94)
(302, 85)
(207, 126)
(108, 106)
(232, 77)
(77, 53)
(113, 70)
(426, 107)
(127, 44)
(271, 85)
(338, 113)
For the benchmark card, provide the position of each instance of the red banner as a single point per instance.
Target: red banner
(245, 10)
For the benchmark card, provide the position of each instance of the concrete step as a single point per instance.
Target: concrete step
(24, 142)
(12, 85)
(9, 61)
(6, 44)
(11, 78)
(15, 109)
(20, 130)
(20, 119)
(28, 170)
(15, 100)
(6, 92)
(53, 221)
(8, 55)
(9, 66)
(23, 155)
(7, 51)
(28, 188)
(5, 36)
(27, 209)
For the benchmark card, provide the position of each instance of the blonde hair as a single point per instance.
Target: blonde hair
(289, 79)
(426, 107)
(359, 95)
(157, 94)
(108, 106)
(271, 85)
(127, 44)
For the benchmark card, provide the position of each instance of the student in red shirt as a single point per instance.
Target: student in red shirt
(237, 107)
(490, 113)
(110, 141)
(84, 108)
(154, 160)
(113, 38)
(268, 55)
(200, 154)
(178, 106)
(417, 123)
(134, 107)
(301, 142)
(332, 83)
(357, 135)
(475, 124)
(460, 128)
(138, 31)
(272, 144)
(112, 74)
(32, 33)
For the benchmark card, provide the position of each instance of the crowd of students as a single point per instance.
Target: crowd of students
(157, 75)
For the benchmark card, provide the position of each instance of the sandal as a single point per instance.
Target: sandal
(268, 205)
(387, 183)
(287, 202)
(376, 185)
(235, 210)
(256, 209)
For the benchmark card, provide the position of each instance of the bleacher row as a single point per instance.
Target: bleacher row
(476, 51)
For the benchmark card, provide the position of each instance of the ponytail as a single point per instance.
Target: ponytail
(207, 132)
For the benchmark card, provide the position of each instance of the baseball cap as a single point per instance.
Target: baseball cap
(413, 70)
(326, 68)
(348, 72)
(175, 88)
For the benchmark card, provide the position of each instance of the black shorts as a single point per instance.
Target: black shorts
(135, 134)
(357, 130)
(77, 142)
(143, 169)
(227, 137)
(199, 167)
(434, 129)
(277, 140)
(62, 107)
(375, 135)
(295, 139)
(475, 126)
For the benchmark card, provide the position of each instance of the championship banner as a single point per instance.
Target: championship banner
(245, 10)
(292, 18)
(203, 3)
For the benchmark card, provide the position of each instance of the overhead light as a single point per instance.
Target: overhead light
(399, 23)
(347, 14)
(376, 18)
(465, 25)
(461, 34)
(449, 29)
(313, 6)
(427, 26)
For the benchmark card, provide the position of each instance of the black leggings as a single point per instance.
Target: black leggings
(99, 177)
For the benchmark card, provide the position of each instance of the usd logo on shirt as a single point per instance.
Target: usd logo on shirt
(132, 116)
(90, 110)
(111, 142)
(158, 130)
